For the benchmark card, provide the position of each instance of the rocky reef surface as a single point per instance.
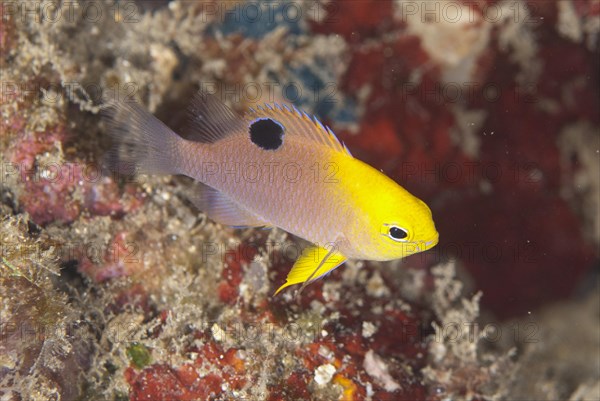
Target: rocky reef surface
(117, 288)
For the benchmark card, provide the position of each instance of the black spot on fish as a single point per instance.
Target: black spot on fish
(266, 133)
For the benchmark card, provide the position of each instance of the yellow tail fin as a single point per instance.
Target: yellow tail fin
(314, 262)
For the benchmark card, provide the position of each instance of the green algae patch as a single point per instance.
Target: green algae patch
(139, 355)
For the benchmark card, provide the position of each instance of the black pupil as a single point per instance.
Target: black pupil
(398, 233)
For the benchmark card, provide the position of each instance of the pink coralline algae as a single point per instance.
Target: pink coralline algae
(120, 259)
(55, 189)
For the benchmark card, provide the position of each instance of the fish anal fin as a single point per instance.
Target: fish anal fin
(313, 263)
(222, 209)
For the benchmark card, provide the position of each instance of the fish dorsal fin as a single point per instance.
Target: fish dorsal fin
(222, 209)
(210, 119)
(314, 263)
(297, 122)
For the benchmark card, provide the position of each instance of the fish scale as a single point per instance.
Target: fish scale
(283, 191)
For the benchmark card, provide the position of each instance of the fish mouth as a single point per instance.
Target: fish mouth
(433, 242)
(426, 245)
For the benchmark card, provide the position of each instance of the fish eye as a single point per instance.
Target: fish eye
(397, 234)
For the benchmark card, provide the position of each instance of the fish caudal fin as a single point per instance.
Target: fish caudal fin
(315, 262)
(144, 143)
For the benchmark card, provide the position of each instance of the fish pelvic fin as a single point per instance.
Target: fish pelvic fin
(314, 263)
(144, 144)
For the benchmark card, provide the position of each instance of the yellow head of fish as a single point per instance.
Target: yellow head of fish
(388, 222)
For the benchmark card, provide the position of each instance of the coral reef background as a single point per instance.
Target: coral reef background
(117, 288)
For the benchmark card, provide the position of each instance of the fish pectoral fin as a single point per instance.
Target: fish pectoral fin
(222, 209)
(315, 262)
